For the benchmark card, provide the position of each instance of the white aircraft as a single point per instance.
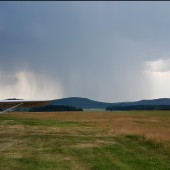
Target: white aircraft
(11, 104)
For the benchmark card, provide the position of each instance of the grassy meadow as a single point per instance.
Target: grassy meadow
(89, 140)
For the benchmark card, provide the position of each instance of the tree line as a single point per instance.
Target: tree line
(139, 107)
(54, 108)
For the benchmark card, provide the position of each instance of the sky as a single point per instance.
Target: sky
(105, 51)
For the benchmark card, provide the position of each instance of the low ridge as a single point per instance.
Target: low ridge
(88, 103)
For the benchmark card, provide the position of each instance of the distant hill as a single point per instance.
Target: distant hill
(79, 102)
(161, 101)
(13, 99)
(86, 103)
(155, 104)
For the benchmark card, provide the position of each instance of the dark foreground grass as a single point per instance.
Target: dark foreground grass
(27, 144)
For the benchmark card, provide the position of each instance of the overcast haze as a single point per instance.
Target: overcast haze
(106, 51)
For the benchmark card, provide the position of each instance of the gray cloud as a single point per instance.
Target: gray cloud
(161, 65)
(89, 49)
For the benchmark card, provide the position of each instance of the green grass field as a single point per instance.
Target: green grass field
(136, 140)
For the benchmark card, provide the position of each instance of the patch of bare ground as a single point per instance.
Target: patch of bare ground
(97, 143)
(10, 130)
(85, 145)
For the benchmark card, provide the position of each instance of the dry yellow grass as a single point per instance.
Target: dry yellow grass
(153, 126)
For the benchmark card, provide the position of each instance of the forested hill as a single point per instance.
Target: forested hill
(160, 101)
(81, 103)
(87, 103)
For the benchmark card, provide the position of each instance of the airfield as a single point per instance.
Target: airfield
(88, 140)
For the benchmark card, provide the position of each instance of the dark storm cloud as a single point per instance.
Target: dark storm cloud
(90, 49)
